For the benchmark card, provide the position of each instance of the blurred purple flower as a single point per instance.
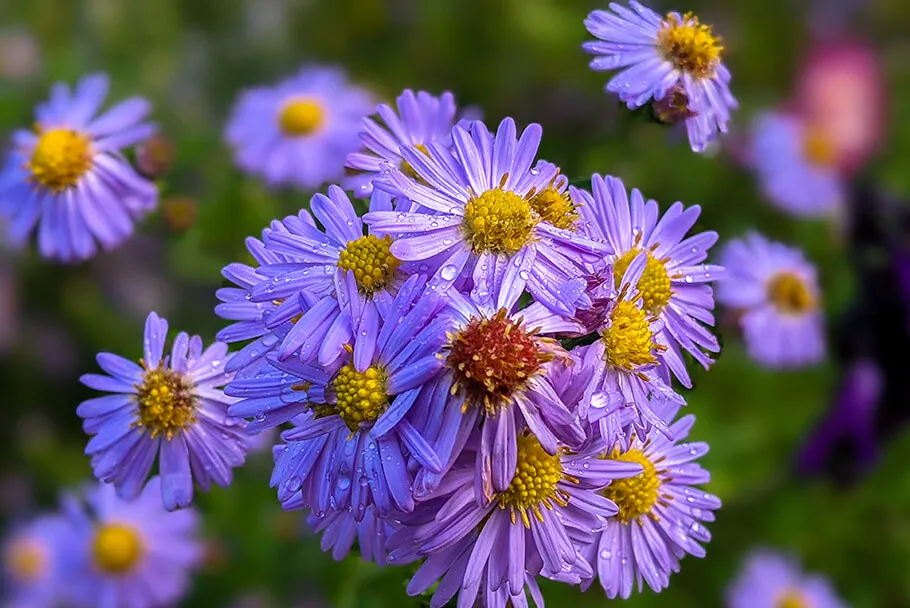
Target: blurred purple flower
(771, 580)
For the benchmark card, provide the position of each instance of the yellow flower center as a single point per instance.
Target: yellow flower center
(689, 45)
(654, 284)
(498, 221)
(534, 484)
(555, 208)
(117, 548)
(360, 397)
(301, 117)
(406, 167)
(628, 341)
(492, 359)
(25, 559)
(792, 598)
(635, 496)
(60, 159)
(166, 401)
(789, 293)
(371, 260)
(818, 148)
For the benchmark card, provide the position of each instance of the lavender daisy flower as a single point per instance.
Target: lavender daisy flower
(532, 527)
(299, 131)
(673, 285)
(69, 177)
(131, 553)
(496, 359)
(171, 407)
(344, 275)
(33, 560)
(421, 118)
(660, 511)
(795, 164)
(340, 529)
(478, 214)
(626, 357)
(250, 317)
(352, 439)
(673, 57)
(771, 580)
(775, 290)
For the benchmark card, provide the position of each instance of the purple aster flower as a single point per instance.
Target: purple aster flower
(342, 276)
(340, 529)
(131, 553)
(69, 177)
(796, 165)
(660, 511)
(673, 285)
(477, 211)
(33, 562)
(771, 580)
(299, 131)
(496, 359)
(673, 56)
(494, 545)
(421, 118)
(775, 291)
(172, 407)
(352, 441)
(626, 357)
(250, 317)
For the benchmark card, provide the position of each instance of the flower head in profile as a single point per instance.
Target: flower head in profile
(131, 553)
(796, 164)
(775, 292)
(33, 566)
(476, 214)
(250, 318)
(494, 546)
(421, 118)
(660, 510)
(352, 439)
(674, 283)
(166, 408)
(496, 361)
(333, 281)
(771, 580)
(674, 57)
(300, 131)
(68, 175)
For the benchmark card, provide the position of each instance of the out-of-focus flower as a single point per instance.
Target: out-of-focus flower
(421, 118)
(301, 130)
(841, 93)
(777, 291)
(771, 580)
(661, 511)
(69, 178)
(154, 156)
(658, 55)
(20, 55)
(33, 558)
(476, 218)
(180, 212)
(130, 553)
(796, 164)
(495, 546)
(674, 284)
(171, 406)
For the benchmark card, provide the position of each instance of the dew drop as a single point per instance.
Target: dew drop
(449, 272)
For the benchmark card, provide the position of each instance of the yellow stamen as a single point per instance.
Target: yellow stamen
(534, 484)
(498, 221)
(360, 397)
(690, 45)
(654, 284)
(789, 293)
(117, 548)
(818, 148)
(371, 260)
(628, 340)
(301, 117)
(635, 496)
(555, 207)
(60, 159)
(25, 559)
(166, 401)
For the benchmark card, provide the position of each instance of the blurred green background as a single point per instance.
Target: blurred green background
(507, 57)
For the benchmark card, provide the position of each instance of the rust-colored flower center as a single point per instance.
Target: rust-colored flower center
(301, 117)
(689, 45)
(166, 401)
(60, 159)
(117, 548)
(493, 358)
(789, 293)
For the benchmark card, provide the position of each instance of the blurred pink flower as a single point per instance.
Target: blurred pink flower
(841, 92)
